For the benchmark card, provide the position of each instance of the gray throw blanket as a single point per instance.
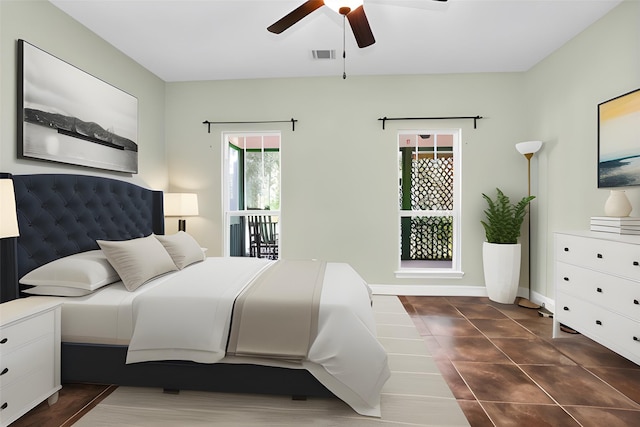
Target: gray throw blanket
(276, 316)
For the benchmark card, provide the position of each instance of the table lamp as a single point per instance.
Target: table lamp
(181, 205)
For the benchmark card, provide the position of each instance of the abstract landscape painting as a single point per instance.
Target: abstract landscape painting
(619, 141)
(67, 115)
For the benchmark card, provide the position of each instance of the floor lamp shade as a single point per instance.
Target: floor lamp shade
(528, 149)
(8, 216)
(181, 205)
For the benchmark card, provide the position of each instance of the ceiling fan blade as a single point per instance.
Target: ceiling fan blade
(360, 26)
(295, 16)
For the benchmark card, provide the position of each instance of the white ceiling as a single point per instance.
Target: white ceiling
(186, 40)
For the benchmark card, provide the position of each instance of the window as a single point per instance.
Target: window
(429, 203)
(252, 194)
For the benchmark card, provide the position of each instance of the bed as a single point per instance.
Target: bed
(65, 216)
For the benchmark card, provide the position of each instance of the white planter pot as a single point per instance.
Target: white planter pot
(501, 271)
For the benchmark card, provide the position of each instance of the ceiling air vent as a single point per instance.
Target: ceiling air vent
(324, 54)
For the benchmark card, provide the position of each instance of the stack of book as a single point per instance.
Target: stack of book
(614, 224)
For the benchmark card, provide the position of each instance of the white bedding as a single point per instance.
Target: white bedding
(345, 356)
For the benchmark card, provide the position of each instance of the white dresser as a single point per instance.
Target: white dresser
(29, 355)
(597, 283)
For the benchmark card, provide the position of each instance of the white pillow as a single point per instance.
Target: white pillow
(85, 270)
(57, 291)
(137, 260)
(183, 248)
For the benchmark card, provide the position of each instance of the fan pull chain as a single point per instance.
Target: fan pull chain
(344, 48)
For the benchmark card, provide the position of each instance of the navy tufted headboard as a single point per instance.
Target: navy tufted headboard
(60, 215)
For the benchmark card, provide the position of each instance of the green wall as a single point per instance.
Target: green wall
(339, 195)
(339, 168)
(45, 26)
(561, 94)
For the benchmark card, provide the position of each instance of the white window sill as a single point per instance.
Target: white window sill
(421, 273)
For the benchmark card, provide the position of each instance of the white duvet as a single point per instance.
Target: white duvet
(187, 317)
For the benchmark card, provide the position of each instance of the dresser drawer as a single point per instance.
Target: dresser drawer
(26, 393)
(587, 318)
(575, 312)
(17, 334)
(610, 292)
(628, 337)
(617, 258)
(612, 330)
(35, 356)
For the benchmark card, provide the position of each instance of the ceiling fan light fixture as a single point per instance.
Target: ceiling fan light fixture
(340, 5)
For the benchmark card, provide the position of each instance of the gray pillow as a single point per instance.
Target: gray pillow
(137, 260)
(183, 248)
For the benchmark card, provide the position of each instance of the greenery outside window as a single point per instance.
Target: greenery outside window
(429, 200)
(251, 191)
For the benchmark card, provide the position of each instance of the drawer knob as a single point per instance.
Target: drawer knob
(636, 263)
(566, 249)
(598, 322)
(566, 279)
(4, 405)
(636, 339)
(599, 290)
(4, 340)
(4, 371)
(565, 308)
(636, 302)
(599, 256)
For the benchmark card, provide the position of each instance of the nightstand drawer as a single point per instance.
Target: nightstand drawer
(36, 356)
(26, 393)
(21, 333)
(29, 355)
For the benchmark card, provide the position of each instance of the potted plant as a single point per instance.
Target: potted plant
(501, 253)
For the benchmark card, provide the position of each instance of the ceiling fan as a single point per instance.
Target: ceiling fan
(353, 10)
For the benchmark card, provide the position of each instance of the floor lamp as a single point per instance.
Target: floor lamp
(181, 205)
(528, 149)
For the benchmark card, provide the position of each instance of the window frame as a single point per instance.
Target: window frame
(244, 212)
(455, 271)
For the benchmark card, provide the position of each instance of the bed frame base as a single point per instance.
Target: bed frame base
(103, 364)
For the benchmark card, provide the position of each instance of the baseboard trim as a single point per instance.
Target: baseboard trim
(430, 290)
(458, 291)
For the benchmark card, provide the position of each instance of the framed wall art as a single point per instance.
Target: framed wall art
(619, 141)
(69, 116)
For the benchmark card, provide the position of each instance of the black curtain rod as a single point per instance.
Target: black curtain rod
(208, 123)
(474, 118)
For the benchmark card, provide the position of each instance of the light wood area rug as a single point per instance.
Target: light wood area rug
(415, 395)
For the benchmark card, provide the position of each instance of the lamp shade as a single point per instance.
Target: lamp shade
(180, 204)
(8, 217)
(529, 147)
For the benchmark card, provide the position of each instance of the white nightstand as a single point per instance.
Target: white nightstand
(29, 355)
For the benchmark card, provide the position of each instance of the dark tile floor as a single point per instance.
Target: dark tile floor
(500, 362)
(74, 401)
(505, 369)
